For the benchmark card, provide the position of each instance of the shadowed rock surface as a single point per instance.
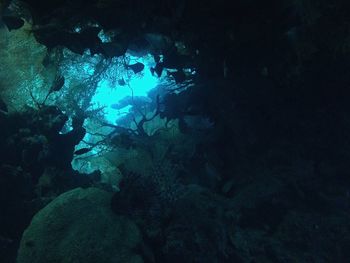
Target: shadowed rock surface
(59, 233)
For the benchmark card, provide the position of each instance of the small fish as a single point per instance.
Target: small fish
(139, 101)
(137, 67)
(82, 151)
(158, 69)
(121, 82)
(58, 84)
(13, 22)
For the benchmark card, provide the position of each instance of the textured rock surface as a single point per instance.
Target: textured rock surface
(78, 226)
(35, 167)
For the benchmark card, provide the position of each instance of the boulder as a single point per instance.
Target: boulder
(79, 226)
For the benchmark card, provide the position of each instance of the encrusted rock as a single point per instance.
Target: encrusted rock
(78, 226)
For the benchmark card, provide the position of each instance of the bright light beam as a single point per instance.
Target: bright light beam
(138, 85)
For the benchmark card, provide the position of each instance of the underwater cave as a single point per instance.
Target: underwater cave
(174, 131)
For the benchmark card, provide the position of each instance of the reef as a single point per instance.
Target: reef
(59, 234)
(251, 163)
(35, 168)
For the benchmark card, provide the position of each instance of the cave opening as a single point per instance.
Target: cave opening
(174, 131)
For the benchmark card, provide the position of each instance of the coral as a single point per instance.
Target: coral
(33, 169)
(189, 219)
(78, 226)
(139, 198)
(198, 231)
(21, 69)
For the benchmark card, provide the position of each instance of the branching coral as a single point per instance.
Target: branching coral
(21, 69)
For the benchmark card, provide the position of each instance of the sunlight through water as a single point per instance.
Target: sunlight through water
(131, 85)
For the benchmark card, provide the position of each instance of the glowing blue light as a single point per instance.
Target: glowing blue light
(139, 84)
(143, 83)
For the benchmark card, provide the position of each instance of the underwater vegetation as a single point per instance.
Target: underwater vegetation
(174, 131)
